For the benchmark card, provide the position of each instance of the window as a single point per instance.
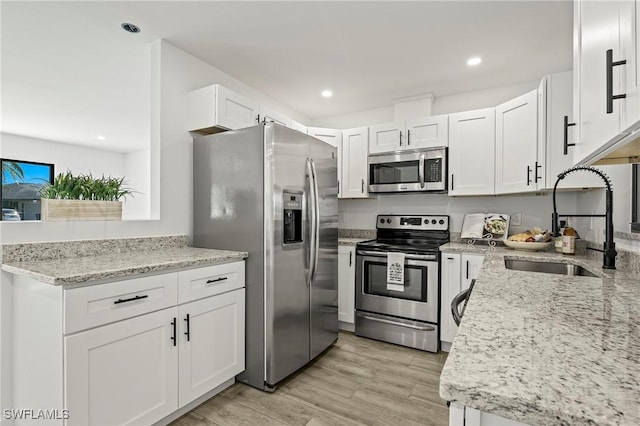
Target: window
(635, 198)
(21, 185)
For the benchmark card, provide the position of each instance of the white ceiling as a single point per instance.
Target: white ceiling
(368, 53)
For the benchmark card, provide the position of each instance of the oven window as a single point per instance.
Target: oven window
(394, 172)
(415, 281)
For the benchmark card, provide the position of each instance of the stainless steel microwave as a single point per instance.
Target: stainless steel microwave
(419, 170)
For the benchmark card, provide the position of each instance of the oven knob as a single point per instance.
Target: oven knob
(426, 221)
(388, 220)
(381, 220)
(433, 221)
(441, 221)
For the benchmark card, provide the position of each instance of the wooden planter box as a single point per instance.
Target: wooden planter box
(65, 210)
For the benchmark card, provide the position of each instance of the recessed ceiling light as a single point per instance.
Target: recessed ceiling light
(130, 27)
(476, 60)
(327, 93)
(101, 138)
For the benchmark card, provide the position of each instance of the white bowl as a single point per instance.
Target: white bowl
(519, 245)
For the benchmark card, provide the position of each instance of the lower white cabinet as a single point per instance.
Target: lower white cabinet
(211, 343)
(346, 284)
(457, 271)
(461, 415)
(122, 373)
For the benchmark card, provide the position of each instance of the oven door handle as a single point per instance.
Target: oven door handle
(400, 324)
(406, 256)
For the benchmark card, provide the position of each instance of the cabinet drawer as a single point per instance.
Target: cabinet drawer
(203, 282)
(88, 307)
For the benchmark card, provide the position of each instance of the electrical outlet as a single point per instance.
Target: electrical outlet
(516, 219)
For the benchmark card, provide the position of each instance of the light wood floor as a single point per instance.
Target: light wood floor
(358, 381)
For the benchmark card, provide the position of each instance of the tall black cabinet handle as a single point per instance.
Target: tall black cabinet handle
(173, 334)
(566, 134)
(400, 137)
(467, 269)
(536, 177)
(610, 96)
(528, 175)
(408, 137)
(452, 182)
(350, 258)
(188, 332)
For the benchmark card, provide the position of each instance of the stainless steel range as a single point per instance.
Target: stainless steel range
(406, 314)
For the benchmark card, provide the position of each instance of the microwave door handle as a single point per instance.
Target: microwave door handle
(421, 171)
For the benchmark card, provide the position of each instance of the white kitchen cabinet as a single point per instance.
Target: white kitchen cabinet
(517, 166)
(559, 108)
(346, 284)
(211, 343)
(299, 127)
(600, 27)
(413, 134)
(216, 107)
(268, 115)
(457, 271)
(355, 146)
(331, 136)
(472, 152)
(123, 373)
(461, 415)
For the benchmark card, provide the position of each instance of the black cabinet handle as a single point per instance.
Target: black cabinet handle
(528, 175)
(363, 186)
(187, 333)
(536, 177)
(610, 96)
(408, 137)
(258, 118)
(452, 182)
(173, 334)
(400, 137)
(350, 257)
(216, 280)
(467, 269)
(566, 134)
(131, 299)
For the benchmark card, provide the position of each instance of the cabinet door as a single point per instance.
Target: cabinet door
(298, 126)
(470, 266)
(346, 283)
(517, 144)
(428, 132)
(234, 111)
(450, 287)
(123, 373)
(472, 152)
(330, 136)
(599, 31)
(386, 138)
(211, 343)
(267, 115)
(355, 144)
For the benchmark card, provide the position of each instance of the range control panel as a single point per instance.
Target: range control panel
(421, 223)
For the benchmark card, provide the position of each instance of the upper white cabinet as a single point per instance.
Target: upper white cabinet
(330, 136)
(606, 86)
(413, 134)
(268, 115)
(346, 284)
(355, 145)
(214, 107)
(517, 166)
(298, 126)
(472, 152)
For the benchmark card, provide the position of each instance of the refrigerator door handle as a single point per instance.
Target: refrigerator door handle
(311, 201)
(317, 218)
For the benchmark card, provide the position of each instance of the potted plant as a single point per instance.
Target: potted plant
(83, 197)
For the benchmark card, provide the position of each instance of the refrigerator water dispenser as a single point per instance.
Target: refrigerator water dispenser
(292, 214)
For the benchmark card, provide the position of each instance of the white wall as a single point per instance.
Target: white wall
(137, 172)
(174, 73)
(535, 209)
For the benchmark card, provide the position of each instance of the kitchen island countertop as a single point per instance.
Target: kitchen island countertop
(547, 349)
(77, 270)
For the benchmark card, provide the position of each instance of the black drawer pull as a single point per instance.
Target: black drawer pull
(130, 299)
(216, 280)
(188, 332)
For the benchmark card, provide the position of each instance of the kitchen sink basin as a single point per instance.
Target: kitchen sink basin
(548, 267)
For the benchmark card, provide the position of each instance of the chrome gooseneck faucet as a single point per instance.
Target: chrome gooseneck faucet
(609, 250)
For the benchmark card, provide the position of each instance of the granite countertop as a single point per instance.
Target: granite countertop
(548, 349)
(75, 270)
(351, 241)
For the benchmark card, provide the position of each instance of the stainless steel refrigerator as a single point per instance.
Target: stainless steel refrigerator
(272, 191)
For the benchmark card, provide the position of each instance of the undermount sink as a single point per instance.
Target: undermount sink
(548, 267)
